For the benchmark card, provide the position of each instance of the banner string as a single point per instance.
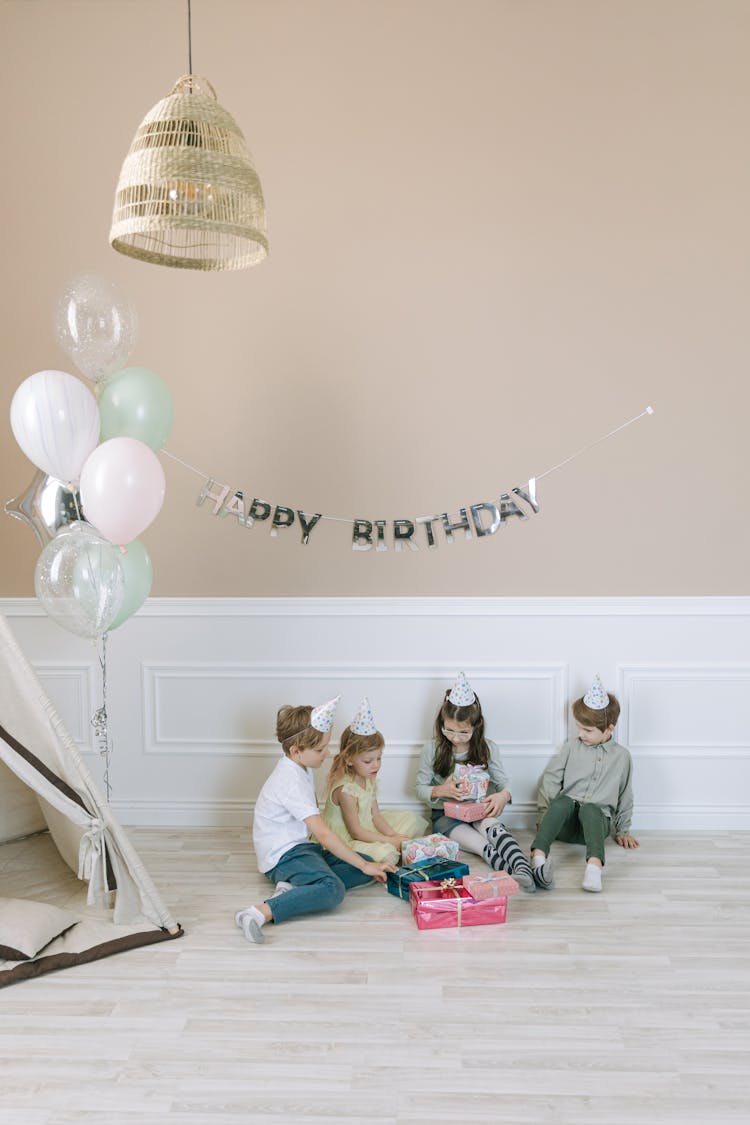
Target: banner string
(539, 476)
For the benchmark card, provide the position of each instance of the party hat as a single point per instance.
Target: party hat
(596, 697)
(364, 721)
(461, 694)
(322, 717)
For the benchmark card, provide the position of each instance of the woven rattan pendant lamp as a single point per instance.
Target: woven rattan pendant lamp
(188, 194)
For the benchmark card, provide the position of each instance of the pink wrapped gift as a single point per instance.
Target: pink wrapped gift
(473, 781)
(465, 810)
(448, 905)
(428, 847)
(496, 885)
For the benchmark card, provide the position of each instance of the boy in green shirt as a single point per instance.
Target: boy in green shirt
(586, 787)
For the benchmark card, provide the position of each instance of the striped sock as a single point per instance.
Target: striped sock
(542, 871)
(502, 853)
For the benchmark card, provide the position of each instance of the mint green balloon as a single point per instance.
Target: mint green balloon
(136, 403)
(136, 566)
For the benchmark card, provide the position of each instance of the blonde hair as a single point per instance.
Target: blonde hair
(350, 747)
(293, 729)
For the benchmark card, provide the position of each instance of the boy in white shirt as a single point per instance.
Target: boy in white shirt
(309, 877)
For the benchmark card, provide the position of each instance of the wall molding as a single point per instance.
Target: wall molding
(697, 606)
(238, 813)
(194, 685)
(157, 677)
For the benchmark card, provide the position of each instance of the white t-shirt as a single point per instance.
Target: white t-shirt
(284, 802)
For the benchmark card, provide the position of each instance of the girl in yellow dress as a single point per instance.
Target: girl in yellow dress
(352, 809)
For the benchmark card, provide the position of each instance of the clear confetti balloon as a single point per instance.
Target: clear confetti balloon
(96, 325)
(79, 581)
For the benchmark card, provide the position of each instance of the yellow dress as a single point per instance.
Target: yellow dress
(407, 823)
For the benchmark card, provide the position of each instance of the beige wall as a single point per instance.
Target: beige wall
(498, 230)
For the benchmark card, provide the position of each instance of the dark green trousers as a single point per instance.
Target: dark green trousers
(573, 823)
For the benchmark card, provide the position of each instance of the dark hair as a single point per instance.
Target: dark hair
(600, 719)
(293, 729)
(478, 750)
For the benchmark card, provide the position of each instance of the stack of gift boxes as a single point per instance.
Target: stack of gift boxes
(442, 894)
(441, 891)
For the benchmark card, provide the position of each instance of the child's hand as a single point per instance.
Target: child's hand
(495, 803)
(451, 789)
(377, 870)
(397, 840)
(626, 841)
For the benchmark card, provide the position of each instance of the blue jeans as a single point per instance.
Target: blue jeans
(319, 881)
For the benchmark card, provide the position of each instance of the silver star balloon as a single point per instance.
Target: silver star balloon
(45, 506)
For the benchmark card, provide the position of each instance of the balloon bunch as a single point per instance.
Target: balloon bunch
(100, 483)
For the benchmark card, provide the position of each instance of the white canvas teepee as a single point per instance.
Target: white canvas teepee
(44, 783)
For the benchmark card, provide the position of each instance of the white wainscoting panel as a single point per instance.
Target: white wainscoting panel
(72, 689)
(194, 686)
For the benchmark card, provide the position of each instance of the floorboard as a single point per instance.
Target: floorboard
(631, 1007)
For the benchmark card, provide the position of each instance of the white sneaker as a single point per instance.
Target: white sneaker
(592, 879)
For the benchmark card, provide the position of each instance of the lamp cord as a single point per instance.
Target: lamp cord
(190, 42)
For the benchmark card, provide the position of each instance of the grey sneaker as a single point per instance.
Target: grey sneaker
(250, 928)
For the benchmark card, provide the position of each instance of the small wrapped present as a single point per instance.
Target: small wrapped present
(428, 847)
(465, 810)
(448, 905)
(497, 884)
(473, 781)
(398, 882)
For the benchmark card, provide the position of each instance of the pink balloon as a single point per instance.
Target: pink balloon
(122, 488)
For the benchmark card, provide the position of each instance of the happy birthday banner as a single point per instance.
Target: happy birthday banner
(478, 520)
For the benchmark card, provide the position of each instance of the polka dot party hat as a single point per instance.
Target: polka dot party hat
(364, 721)
(596, 697)
(322, 717)
(461, 694)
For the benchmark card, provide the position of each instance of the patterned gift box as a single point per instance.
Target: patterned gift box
(465, 810)
(428, 847)
(398, 882)
(497, 885)
(439, 906)
(473, 780)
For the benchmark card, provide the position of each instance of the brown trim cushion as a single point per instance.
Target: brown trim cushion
(27, 926)
(26, 970)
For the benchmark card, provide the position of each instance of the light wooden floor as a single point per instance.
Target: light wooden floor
(627, 1008)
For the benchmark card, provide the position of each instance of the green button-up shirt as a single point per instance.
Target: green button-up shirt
(599, 775)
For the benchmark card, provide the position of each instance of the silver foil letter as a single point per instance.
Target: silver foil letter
(461, 525)
(403, 535)
(217, 497)
(235, 507)
(428, 522)
(362, 535)
(282, 517)
(258, 510)
(307, 526)
(478, 526)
